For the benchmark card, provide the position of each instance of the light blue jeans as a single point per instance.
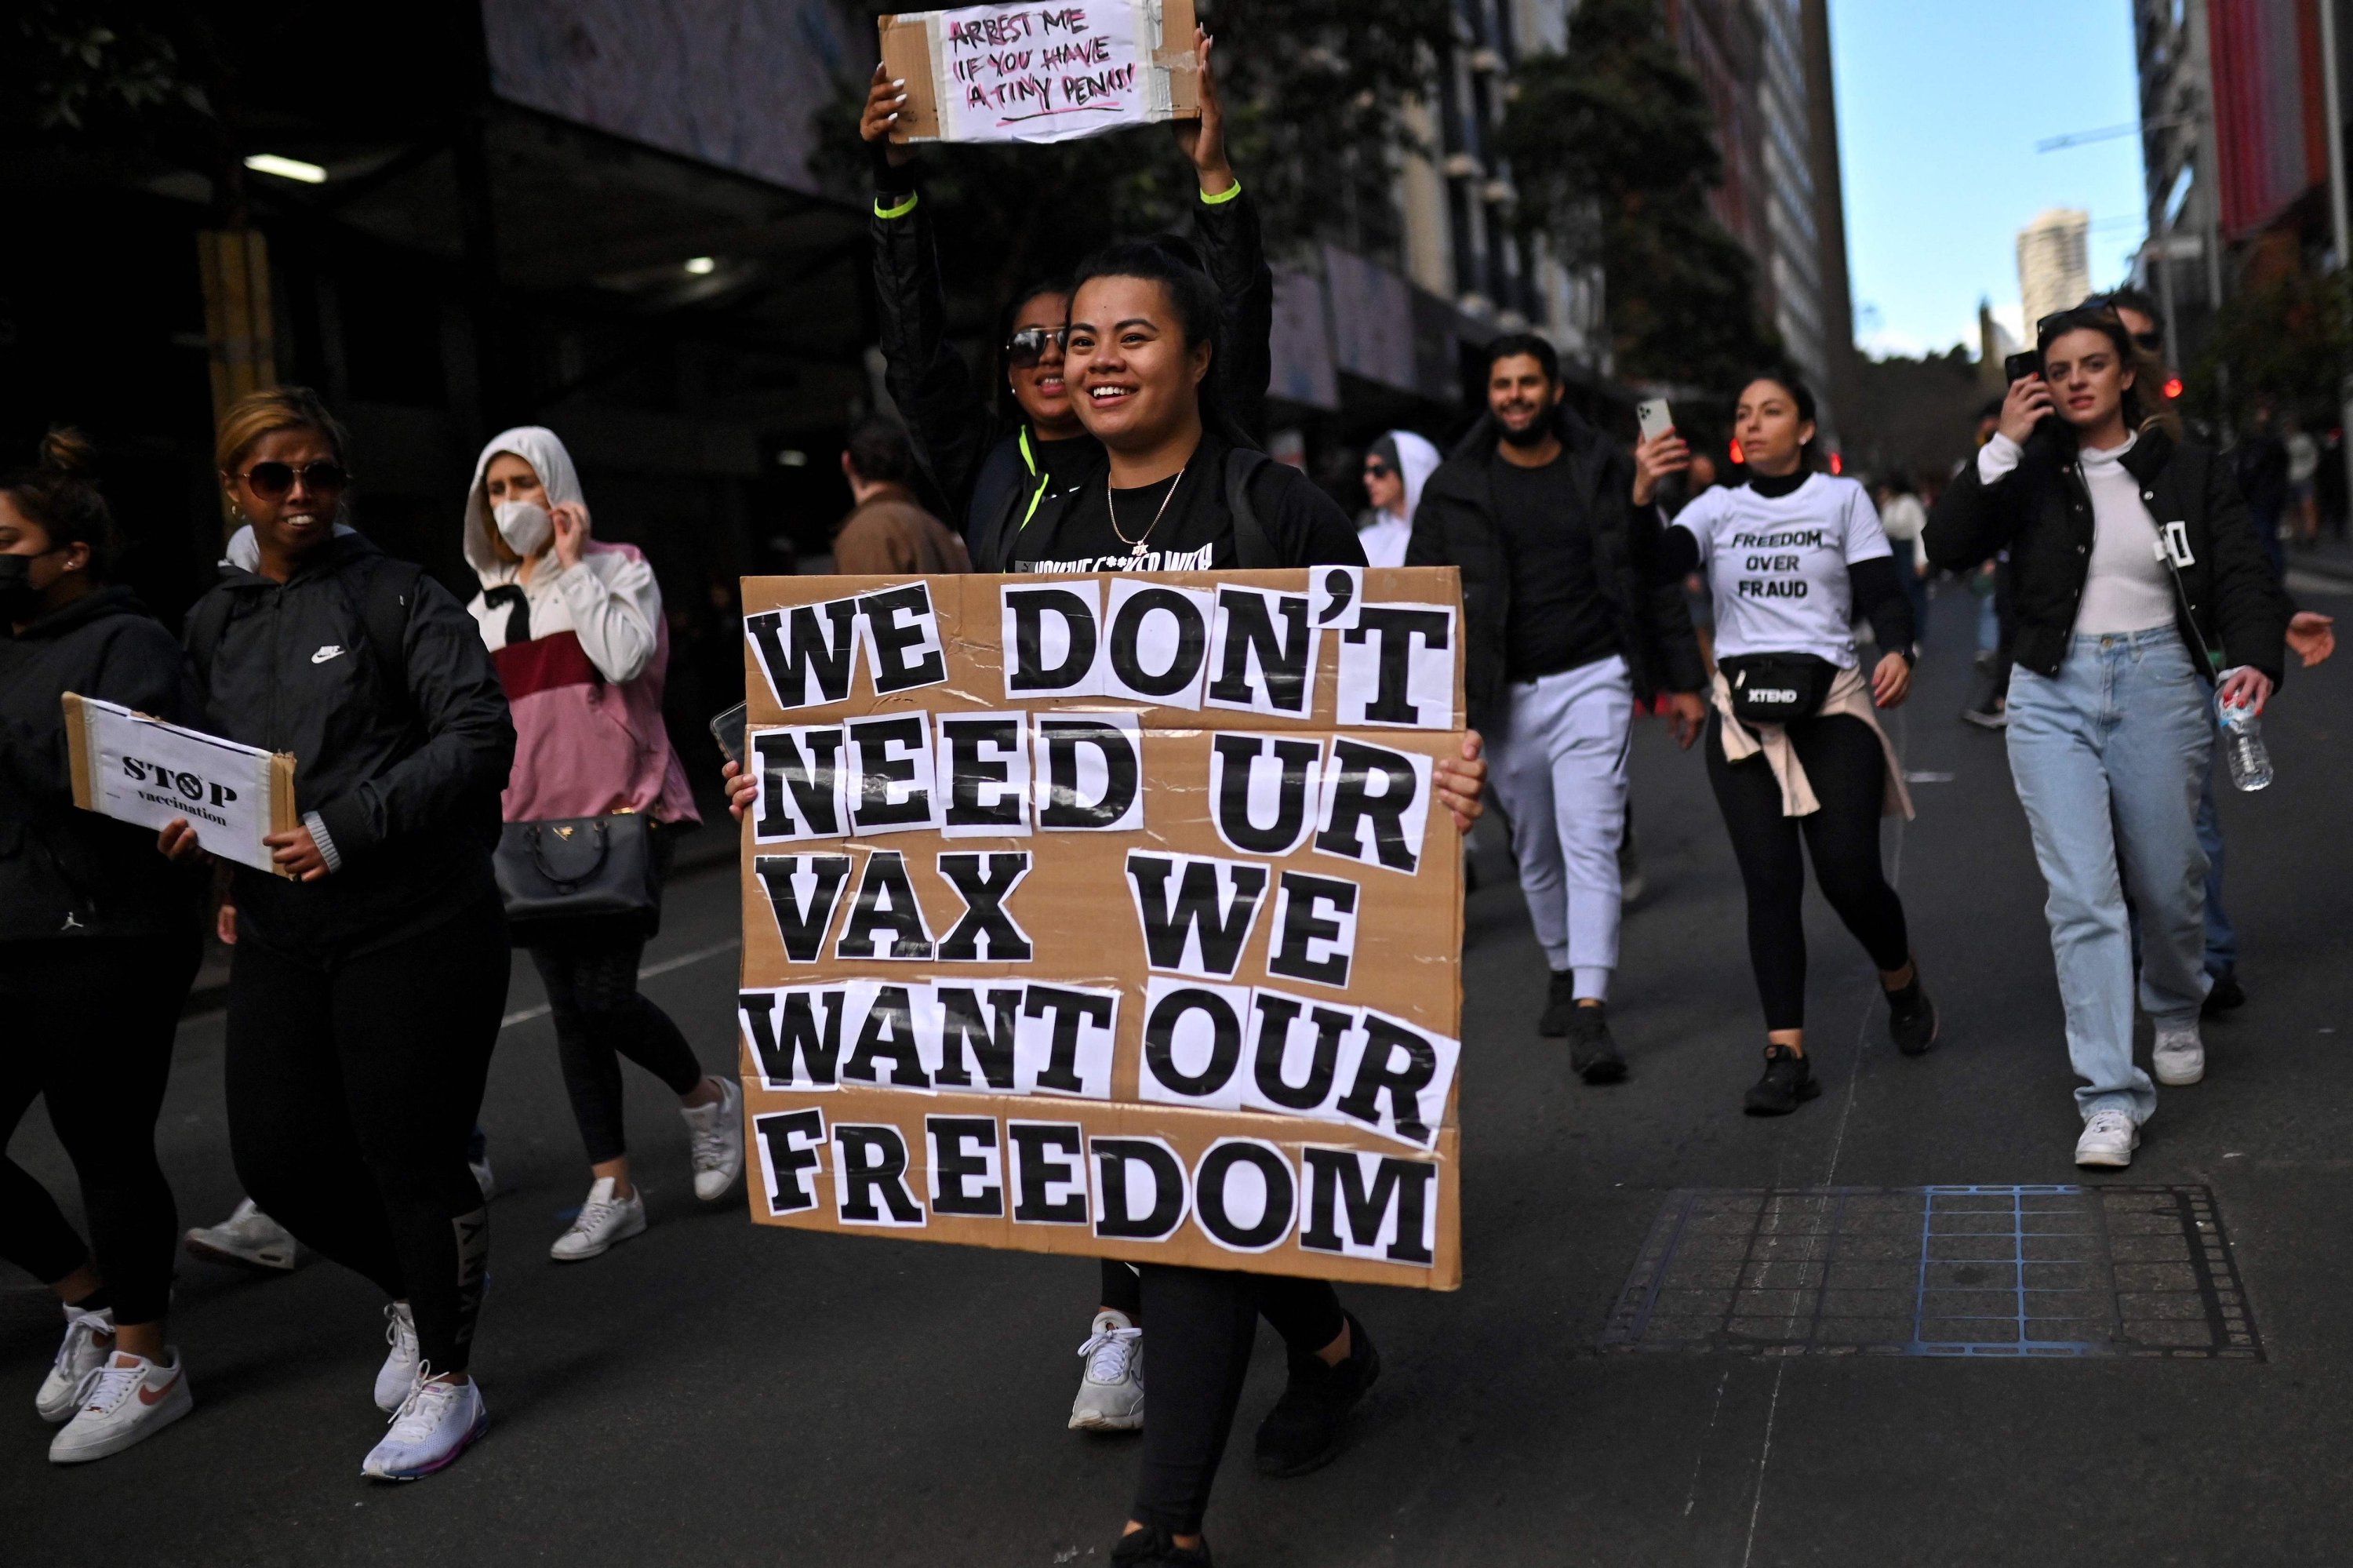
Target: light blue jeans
(2109, 756)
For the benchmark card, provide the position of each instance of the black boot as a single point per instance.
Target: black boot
(1303, 1432)
(1152, 1547)
(1560, 1000)
(1592, 1054)
(1788, 1082)
(1911, 1021)
(2225, 994)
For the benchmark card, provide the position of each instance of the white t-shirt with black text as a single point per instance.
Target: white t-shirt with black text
(1778, 564)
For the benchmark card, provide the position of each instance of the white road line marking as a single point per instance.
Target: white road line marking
(645, 972)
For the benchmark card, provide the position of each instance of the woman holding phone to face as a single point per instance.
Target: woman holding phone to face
(575, 626)
(370, 973)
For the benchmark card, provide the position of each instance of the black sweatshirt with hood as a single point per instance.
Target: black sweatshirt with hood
(67, 873)
(404, 773)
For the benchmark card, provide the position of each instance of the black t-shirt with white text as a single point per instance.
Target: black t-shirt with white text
(1190, 530)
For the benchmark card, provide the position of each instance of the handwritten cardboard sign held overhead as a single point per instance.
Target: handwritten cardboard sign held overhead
(1109, 915)
(1041, 72)
(140, 769)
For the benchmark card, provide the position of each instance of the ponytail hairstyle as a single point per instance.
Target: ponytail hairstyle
(1788, 380)
(2144, 409)
(1172, 263)
(58, 496)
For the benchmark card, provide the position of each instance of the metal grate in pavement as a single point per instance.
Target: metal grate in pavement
(2056, 1271)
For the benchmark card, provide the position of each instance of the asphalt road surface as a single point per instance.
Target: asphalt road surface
(717, 1393)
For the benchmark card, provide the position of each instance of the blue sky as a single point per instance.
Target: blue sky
(1940, 103)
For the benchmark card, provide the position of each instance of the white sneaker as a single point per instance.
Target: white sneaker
(437, 1422)
(1110, 1397)
(2109, 1139)
(127, 1399)
(90, 1340)
(715, 1137)
(399, 1374)
(604, 1220)
(2179, 1056)
(248, 1238)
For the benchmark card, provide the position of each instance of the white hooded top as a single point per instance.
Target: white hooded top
(1385, 537)
(610, 600)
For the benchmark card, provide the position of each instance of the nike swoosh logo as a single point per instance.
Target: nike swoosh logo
(332, 651)
(155, 1395)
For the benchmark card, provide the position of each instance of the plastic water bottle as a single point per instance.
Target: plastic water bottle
(2242, 742)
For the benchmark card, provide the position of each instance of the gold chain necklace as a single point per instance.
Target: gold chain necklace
(1136, 545)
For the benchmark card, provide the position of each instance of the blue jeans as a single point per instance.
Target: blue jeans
(2109, 756)
(2221, 937)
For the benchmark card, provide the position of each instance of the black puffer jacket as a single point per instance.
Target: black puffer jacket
(65, 873)
(1455, 526)
(2227, 603)
(990, 473)
(407, 781)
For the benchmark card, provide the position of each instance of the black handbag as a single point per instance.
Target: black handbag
(565, 870)
(1774, 688)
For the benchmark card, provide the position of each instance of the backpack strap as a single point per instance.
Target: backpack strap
(1252, 549)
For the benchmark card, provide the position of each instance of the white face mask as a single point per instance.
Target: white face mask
(524, 526)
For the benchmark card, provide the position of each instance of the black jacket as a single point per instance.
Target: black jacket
(66, 873)
(2226, 601)
(407, 786)
(1455, 526)
(987, 471)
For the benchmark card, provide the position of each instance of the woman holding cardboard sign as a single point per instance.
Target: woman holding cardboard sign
(99, 941)
(370, 974)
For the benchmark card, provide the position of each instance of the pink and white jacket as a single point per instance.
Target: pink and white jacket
(582, 652)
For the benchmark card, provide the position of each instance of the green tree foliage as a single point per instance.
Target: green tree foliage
(1310, 88)
(1613, 149)
(2287, 341)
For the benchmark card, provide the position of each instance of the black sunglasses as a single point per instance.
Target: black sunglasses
(1025, 349)
(1376, 469)
(275, 481)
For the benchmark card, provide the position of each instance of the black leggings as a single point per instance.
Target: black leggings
(354, 1084)
(1202, 1322)
(592, 991)
(88, 1028)
(1847, 767)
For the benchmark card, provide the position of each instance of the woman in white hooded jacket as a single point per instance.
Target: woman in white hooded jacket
(574, 627)
(1396, 467)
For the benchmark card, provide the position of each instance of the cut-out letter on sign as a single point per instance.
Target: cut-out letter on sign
(885, 919)
(1196, 911)
(870, 1176)
(1301, 1053)
(980, 1027)
(1370, 1205)
(1314, 929)
(1156, 642)
(1264, 790)
(1049, 1172)
(890, 775)
(968, 1167)
(1245, 1194)
(982, 762)
(792, 1150)
(1051, 639)
(1264, 650)
(1397, 667)
(804, 890)
(1193, 1044)
(1399, 1086)
(986, 932)
(1140, 1189)
(795, 1035)
(807, 652)
(901, 639)
(1090, 772)
(1339, 594)
(1376, 805)
(885, 1028)
(800, 784)
(1062, 1045)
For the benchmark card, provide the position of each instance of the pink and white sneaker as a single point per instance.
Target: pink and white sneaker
(437, 1422)
(124, 1402)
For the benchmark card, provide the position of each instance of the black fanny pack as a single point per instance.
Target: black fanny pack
(1774, 688)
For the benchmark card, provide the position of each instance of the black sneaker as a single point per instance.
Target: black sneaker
(1303, 1432)
(1911, 1021)
(1152, 1547)
(1788, 1082)
(2225, 994)
(1592, 1054)
(1560, 1000)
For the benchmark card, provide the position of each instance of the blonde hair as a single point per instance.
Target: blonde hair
(258, 414)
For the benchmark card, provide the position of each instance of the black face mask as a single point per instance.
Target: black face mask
(20, 601)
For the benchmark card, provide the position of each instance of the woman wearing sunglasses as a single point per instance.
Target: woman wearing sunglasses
(369, 972)
(575, 626)
(99, 941)
(1000, 467)
(1396, 466)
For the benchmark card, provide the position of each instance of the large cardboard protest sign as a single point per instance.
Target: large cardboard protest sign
(1048, 71)
(140, 769)
(1108, 915)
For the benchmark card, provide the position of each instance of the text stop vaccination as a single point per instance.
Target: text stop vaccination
(1108, 915)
